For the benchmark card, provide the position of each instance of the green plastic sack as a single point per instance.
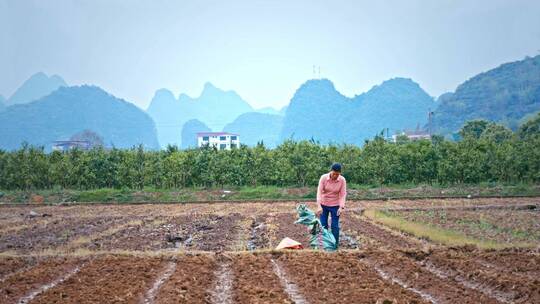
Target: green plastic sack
(320, 238)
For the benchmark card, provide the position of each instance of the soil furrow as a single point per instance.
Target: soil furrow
(383, 237)
(106, 279)
(255, 281)
(24, 283)
(422, 294)
(341, 278)
(411, 274)
(162, 278)
(290, 288)
(259, 236)
(464, 268)
(54, 234)
(10, 266)
(26, 299)
(190, 282)
(222, 291)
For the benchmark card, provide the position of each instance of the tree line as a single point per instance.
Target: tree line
(487, 152)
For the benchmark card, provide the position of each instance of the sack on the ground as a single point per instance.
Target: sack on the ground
(288, 243)
(320, 238)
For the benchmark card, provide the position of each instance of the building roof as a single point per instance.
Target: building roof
(199, 134)
(416, 133)
(71, 142)
(58, 143)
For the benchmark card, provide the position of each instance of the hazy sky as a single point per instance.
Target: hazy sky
(264, 50)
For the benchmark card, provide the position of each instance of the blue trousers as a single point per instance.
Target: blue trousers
(335, 220)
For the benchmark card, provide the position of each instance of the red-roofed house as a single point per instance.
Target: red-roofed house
(220, 140)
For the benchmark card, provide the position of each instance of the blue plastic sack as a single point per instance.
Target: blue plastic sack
(320, 238)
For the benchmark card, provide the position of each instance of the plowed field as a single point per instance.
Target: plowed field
(223, 253)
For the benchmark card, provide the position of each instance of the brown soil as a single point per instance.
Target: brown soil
(110, 279)
(282, 225)
(342, 278)
(7, 224)
(53, 233)
(389, 265)
(150, 235)
(521, 262)
(206, 232)
(507, 286)
(255, 280)
(191, 281)
(23, 283)
(259, 237)
(463, 269)
(406, 269)
(216, 233)
(372, 234)
(11, 265)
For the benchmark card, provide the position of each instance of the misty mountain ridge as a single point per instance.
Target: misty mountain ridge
(2, 103)
(254, 127)
(35, 87)
(505, 94)
(214, 107)
(267, 110)
(70, 110)
(318, 111)
(189, 133)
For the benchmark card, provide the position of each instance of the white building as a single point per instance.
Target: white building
(220, 140)
(66, 145)
(412, 135)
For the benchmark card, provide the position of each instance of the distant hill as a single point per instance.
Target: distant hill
(268, 110)
(70, 110)
(37, 86)
(2, 103)
(254, 127)
(318, 111)
(396, 104)
(169, 116)
(189, 133)
(505, 94)
(214, 107)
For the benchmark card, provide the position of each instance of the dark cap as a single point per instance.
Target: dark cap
(336, 167)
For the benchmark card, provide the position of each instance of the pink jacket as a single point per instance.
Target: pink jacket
(332, 193)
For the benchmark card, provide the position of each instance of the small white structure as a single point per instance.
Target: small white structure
(220, 140)
(66, 145)
(412, 135)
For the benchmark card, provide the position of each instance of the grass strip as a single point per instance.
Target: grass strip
(264, 192)
(435, 234)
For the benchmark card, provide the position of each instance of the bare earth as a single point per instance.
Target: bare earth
(222, 253)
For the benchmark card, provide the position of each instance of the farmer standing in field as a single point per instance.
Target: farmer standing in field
(331, 194)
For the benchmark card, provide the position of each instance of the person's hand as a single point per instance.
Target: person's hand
(319, 210)
(340, 210)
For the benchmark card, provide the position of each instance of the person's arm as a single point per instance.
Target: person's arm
(343, 195)
(319, 195)
(319, 191)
